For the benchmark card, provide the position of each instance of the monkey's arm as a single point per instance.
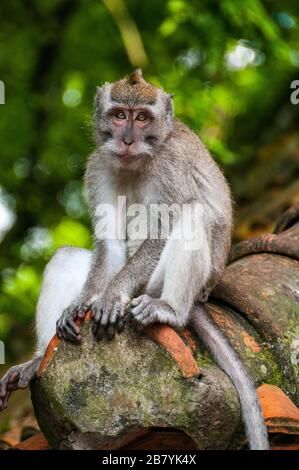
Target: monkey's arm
(108, 259)
(109, 313)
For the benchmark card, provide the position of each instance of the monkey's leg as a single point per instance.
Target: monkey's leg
(63, 281)
(17, 377)
(181, 273)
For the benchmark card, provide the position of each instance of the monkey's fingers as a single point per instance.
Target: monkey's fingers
(82, 309)
(121, 324)
(72, 325)
(92, 313)
(96, 310)
(111, 332)
(109, 320)
(121, 321)
(68, 330)
(116, 316)
(96, 317)
(101, 322)
(102, 325)
(99, 332)
(117, 319)
(70, 334)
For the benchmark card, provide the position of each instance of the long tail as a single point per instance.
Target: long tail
(228, 360)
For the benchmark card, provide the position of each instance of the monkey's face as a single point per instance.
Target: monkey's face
(132, 120)
(130, 135)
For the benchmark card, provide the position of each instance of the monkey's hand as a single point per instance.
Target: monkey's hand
(109, 313)
(66, 327)
(146, 310)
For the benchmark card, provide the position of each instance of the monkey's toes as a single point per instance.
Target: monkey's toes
(17, 377)
(8, 384)
(146, 316)
(3, 389)
(28, 372)
(4, 400)
(141, 308)
(143, 299)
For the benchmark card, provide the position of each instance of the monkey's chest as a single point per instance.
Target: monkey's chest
(137, 221)
(142, 216)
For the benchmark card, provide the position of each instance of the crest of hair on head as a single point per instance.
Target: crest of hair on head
(134, 90)
(135, 77)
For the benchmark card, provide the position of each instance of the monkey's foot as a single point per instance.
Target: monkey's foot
(17, 377)
(146, 310)
(66, 327)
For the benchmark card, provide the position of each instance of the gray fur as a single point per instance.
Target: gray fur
(156, 279)
(179, 170)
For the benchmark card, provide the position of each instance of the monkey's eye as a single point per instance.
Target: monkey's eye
(141, 117)
(120, 115)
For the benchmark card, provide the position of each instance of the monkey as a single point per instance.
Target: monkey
(151, 158)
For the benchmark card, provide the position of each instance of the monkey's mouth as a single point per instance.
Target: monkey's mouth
(126, 157)
(129, 157)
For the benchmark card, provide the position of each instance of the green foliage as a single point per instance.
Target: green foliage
(229, 63)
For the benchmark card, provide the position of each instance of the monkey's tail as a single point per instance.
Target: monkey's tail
(228, 360)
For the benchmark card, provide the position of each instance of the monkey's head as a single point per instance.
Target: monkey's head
(132, 118)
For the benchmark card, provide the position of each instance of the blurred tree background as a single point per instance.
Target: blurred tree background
(230, 64)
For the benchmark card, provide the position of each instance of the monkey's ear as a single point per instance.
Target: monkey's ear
(96, 103)
(169, 105)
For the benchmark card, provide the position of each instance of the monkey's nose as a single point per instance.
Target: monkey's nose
(128, 141)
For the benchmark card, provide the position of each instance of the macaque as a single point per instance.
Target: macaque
(151, 159)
